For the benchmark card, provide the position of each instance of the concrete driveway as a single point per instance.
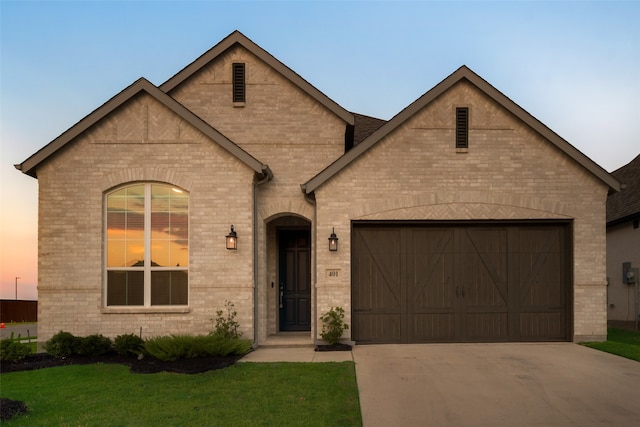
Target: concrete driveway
(513, 384)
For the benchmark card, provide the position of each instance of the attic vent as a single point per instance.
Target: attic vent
(462, 127)
(238, 83)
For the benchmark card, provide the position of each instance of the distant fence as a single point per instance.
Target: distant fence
(18, 311)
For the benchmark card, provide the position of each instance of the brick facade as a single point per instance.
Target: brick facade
(508, 172)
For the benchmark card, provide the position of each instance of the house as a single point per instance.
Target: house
(623, 248)
(463, 218)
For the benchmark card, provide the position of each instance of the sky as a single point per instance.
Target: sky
(574, 65)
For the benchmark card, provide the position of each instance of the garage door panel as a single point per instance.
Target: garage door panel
(429, 270)
(431, 327)
(375, 293)
(484, 257)
(375, 328)
(480, 326)
(462, 282)
(542, 272)
(543, 326)
(378, 262)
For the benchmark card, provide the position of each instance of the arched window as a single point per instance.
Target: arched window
(147, 245)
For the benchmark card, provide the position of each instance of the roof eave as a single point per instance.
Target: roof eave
(463, 73)
(30, 165)
(237, 37)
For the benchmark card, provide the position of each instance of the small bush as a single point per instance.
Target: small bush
(226, 325)
(12, 350)
(62, 344)
(128, 344)
(94, 345)
(333, 325)
(167, 348)
(174, 347)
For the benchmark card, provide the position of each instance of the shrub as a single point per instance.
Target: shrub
(167, 348)
(62, 344)
(12, 350)
(94, 345)
(128, 344)
(174, 347)
(226, 326)
(333, 325)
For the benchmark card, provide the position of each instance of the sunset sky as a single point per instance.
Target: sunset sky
(573, 65)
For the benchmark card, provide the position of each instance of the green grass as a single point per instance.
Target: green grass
(246, 394)
(621, 342)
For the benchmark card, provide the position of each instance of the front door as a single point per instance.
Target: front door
(295, 280)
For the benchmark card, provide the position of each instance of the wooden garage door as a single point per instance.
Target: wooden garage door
(415, 283)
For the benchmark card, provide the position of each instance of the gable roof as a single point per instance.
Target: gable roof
(625, 205)
(30, 165)
(238, 38)
(462, 73)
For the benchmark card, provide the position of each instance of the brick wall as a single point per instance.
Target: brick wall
(279, 124)
(142, 141)
(509, 172)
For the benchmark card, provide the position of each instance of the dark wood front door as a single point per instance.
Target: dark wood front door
(295, 280)
(461, 283)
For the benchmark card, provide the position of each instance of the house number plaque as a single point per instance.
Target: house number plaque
(333, 274)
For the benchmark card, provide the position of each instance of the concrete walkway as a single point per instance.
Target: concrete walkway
(511, 384)
(296, 354)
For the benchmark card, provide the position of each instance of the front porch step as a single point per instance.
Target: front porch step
(288, 339)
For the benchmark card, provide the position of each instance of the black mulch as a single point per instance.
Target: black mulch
(146, 365)
(334, 347)
(10, 408)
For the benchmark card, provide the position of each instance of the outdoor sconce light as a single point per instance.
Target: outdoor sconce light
(333, 241)
(232, 240)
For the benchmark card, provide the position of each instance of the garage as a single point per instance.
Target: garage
(461, 282)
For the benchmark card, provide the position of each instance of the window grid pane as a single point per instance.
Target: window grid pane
(168, 240)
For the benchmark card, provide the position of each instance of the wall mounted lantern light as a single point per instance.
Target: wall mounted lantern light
(232, 240)
(333, 241)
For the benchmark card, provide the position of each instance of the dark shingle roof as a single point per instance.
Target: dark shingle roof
(625, 205)
(365, 126)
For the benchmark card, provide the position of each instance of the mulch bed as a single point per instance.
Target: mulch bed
(334, 347)
(147, 365)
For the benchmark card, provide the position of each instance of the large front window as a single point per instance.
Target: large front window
(147, 247)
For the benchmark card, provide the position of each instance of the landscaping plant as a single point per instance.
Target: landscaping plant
(94, 345)
(62, 344)
(226, 325)
(12, 350)
(333, 325)
(128, 344)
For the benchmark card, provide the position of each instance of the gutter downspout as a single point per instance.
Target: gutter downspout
(311, 198)
(258, 180)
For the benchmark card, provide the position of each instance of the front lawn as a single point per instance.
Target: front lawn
(246, 394)
(621, 342)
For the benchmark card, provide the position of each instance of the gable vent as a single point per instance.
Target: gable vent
(462, 127)
(238, 83)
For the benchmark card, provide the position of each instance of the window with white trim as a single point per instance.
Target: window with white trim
(147, 245)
